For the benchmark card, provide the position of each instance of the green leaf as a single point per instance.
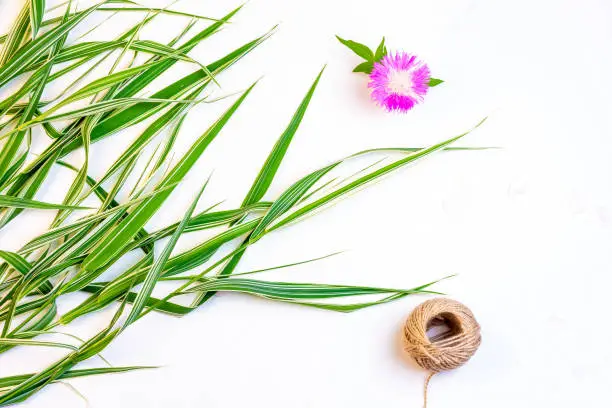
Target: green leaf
(381, 51)
(17, 202)
(17, 379)
(103, 83)
(16, 261)
(292, 291)
(434, 81)
(28, 342)
(268, 171)
(37, 11)
(360, 49)
(97, 108)
(365, 67)
(289, 198)
(17, 35)
(367, 179)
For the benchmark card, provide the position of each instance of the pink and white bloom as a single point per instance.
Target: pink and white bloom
(398, 82)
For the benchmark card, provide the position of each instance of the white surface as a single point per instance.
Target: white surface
(527, 227)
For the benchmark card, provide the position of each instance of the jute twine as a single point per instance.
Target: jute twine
(447, 350)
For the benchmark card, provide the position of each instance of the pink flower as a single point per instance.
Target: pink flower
(399, 81)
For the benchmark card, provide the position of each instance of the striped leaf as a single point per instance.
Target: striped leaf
(270, 167)
(17, 202)
(372, 176)
(37, 11)
(17, 35)
(6, 382)
(28, 342)
(294, 291)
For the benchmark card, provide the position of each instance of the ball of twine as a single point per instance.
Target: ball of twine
(447, 350)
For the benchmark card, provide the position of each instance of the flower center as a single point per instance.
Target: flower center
(401, 82)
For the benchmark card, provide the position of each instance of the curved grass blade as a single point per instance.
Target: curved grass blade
(270, 167)
(368, 178)
(28, 342)
(16, 261)
(34, 383)
(291, 290)
(17, 379)
(94, 48)
(17, 202)
(144, 79)
(97, 108)
(148, 134)
(88, 124)
(288, 199)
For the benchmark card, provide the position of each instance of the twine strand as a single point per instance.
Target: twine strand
(426, 387)
(447, 350)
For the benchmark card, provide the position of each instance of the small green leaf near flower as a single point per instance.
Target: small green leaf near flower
(434, 82)
(381, 51)
(365, 67)
(358, 48)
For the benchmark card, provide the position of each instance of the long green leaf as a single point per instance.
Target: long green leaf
(17, 379)
(17, 202)
(270, 167)
(367, 179)
(288, 199)
(37, 11)
(16, 35)
(28, 342)
(290, 290)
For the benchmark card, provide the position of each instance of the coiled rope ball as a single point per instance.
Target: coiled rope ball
(447, 350)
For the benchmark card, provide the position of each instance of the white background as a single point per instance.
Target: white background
(527, 228)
